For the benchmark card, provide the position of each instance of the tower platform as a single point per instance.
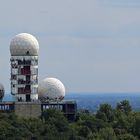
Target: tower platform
(34, 109)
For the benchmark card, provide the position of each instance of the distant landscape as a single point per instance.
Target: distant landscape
(92, 101)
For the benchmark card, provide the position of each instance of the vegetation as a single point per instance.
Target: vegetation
(120, 123)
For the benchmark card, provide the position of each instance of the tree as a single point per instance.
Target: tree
(56, 125)
(84, 131)
(93, 123)
(105, 113)
(136, 126)
(55, 117)
(121, 123)
(126, 137)
(107, 134)
(124, 106)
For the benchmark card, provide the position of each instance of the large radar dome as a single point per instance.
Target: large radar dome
(51, 89)
(24, 44)
(1, 91)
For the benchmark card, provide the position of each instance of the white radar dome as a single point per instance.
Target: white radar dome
(51, 89)
(1, 91)
(24, 44)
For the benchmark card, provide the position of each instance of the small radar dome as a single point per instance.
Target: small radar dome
(1, 92)
(51, 89)
(24, 44)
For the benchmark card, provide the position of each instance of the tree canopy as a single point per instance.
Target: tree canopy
(108, 123)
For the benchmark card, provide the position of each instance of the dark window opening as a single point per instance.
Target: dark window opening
(28, 98)
(27, 52)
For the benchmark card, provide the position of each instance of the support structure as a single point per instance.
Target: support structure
(24, 77)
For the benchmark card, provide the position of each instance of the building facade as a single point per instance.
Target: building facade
(24, 77)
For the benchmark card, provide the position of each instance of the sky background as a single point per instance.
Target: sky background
(90, 45)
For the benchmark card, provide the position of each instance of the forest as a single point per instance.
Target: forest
(120, 123)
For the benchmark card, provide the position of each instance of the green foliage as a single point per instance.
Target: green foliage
(107, 124)
(105, 113)
(84, 131)
(127, 137)
(136, 126)
(124, 106)
(107, 134)
(56, 118)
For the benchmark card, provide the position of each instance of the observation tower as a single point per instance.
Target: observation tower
(24, 67)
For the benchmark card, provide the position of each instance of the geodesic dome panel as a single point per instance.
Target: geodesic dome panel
(51, 89)
(24, 44)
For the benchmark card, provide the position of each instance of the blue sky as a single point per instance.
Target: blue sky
(90, 45)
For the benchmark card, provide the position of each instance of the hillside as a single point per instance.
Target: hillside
(120, 123)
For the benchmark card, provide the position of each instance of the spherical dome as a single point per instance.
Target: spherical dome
(1, 91)
(51, 89)
(24, 44)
